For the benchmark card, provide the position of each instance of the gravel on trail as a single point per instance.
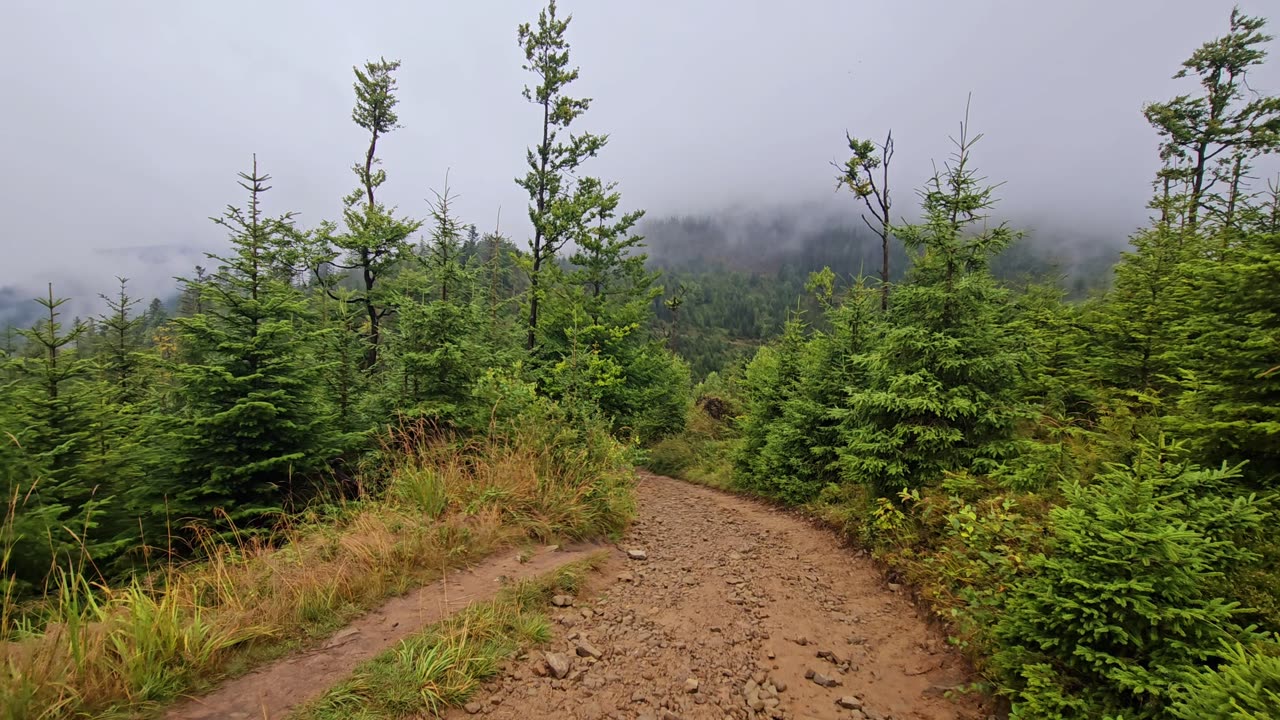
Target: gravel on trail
(717, 606)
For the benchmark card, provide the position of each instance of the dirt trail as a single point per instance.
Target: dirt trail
(272, 691)
(732, 607)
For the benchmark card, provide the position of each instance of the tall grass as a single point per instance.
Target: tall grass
(89, 649)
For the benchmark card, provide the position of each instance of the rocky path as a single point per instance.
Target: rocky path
(724, 608)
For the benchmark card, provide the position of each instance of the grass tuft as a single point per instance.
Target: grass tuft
(444, 664)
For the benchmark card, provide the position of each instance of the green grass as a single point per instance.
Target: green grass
(444, 664)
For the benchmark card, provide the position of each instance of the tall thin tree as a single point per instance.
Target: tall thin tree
(858, 174)
(552, 162)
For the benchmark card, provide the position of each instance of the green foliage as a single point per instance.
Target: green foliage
(1128, 601)
(436, 349)
(121, 329)
(250, 419)
(1246, 686)
(1231, 408)
(942, 380)
(556, 205)
(791, 433)
(375, 240)
(1229, 122)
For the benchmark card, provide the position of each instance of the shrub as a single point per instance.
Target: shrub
(1126, 601)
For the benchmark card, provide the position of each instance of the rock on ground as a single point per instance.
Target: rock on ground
(720, 621)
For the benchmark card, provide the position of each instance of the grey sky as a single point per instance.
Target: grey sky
(126, 121)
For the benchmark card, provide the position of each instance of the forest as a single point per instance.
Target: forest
(1074, 465)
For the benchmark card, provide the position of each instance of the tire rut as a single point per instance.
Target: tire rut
(274, 690)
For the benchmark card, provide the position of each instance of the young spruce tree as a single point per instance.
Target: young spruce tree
(942, 382)
(251, 423)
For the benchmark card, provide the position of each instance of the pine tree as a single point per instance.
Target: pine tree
(1138, 324)
(1231, 405)
(250, 421)
(57, 423)
(771, 380)
(1228, 123)
(343, 348)
(31, 538)
(942, 382)
(595, 335)
(375, 240)
(554, 207)
(122, 330)
(67, 444)
(155, 316)
(435, 354)
(609, 263)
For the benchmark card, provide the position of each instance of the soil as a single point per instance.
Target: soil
(272, 691)
(712, 606)
(738, 610)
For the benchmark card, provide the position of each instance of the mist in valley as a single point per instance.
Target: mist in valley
(726, 114)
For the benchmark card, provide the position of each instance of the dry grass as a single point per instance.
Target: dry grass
(102, 651)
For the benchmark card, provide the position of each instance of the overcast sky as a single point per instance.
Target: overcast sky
(125, 122)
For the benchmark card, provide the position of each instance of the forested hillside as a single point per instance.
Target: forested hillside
(732, 282)
(1073, 457)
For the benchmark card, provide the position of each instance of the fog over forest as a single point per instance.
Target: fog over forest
(120, 150)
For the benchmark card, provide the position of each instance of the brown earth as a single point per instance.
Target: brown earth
(734, 605)
(272, 691)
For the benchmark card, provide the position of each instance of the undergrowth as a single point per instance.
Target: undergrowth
(1098, 595)
(89, 649)
(444, 664)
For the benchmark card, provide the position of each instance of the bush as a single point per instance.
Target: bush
(671, 456)
(1125, 602)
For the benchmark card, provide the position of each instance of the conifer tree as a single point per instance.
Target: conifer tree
(770, 379)
(343, 347)
(1231, 404)
(554, 207)
(793, 447)
(155, 316)
(31, 540)
(250, 422)
(1208, 140)
(122, 331)
(1227, 123)
(858, 174)
(941, 392)
(1130, 601)
(1138, 325)
(609, 263)
(68, 439)
(435, 353)
(57, 426)
(375, 239)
